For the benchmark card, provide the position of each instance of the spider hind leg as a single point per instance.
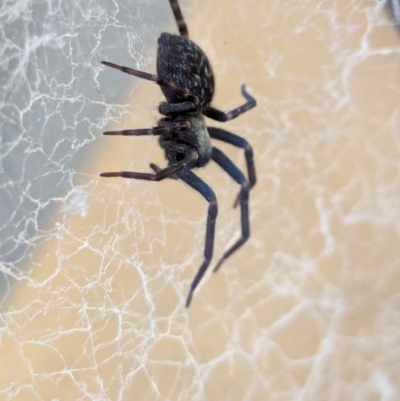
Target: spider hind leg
(188, 102)
(183, 29)
(225, 116)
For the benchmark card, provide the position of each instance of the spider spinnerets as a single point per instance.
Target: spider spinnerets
(186, 79)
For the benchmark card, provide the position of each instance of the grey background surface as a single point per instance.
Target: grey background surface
(55, 101)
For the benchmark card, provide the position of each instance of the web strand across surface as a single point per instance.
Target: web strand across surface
(96, 272)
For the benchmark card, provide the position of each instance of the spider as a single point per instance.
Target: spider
(186, 79)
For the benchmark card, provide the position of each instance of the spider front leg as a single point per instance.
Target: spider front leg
(226, 164)
(176, 126)
(158, 169)
(222, 116)
(235, 140)
(199, 185)
(189, 160)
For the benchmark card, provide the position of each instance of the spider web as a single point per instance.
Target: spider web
(95, 272)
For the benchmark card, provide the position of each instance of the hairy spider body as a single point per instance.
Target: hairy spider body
(181, 61)
(194, 138)
(186, 79)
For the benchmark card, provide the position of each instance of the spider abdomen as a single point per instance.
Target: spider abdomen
(182, 62)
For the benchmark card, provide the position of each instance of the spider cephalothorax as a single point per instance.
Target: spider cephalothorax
(187, 81)
(194, 137)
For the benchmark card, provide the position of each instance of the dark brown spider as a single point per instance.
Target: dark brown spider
(187, 81)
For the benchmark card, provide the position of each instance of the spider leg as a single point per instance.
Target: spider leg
(159, 175)
(222, 116)
(235, 140)
(183, 30)
(199, 185)
(193, 100)
(158, 169)
(183, 107)
(152, 131)
(226, 164)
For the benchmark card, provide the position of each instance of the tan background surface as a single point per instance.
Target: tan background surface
(309, 308)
